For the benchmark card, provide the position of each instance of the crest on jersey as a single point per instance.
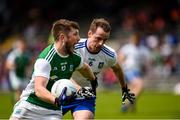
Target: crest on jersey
(91, 60)
(71, 67)
(101, 64)
(55, 68)
(63, 66)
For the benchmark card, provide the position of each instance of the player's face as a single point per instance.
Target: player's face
(21, 46)
(135, 40)
(72, 39)
(97, 39)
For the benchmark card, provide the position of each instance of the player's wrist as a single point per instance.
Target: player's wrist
(86, 92)
(57, 102)
(95, 78)
(125, 88)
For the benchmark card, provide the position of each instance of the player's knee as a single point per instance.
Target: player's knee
(83, 115)
(137, 82)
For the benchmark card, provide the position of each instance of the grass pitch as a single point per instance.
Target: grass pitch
(150, 105)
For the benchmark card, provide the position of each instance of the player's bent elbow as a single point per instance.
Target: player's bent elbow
(37, 91)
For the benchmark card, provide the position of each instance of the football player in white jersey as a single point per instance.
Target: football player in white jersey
(98, 56)
(133, 56)
(55, 62)
(17, 63)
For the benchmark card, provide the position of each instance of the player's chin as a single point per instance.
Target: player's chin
(97, 49)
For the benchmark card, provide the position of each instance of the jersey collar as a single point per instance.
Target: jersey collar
(63, 56)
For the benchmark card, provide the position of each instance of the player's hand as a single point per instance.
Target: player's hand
(86, 92)
(63, 99)
(127, 95)
(94, 85)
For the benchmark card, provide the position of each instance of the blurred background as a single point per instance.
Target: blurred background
(158, 21)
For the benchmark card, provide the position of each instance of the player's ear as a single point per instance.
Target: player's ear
(89, 33)
(61, 36)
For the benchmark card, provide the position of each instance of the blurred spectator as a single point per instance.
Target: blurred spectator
(164, 55)
(4, 20)
(36, 30)
(109, 78)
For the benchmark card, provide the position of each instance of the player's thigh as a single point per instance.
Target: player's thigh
(83, 114)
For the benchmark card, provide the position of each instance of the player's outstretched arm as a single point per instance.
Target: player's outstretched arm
(126, 94)
(120, 75)
(87, 72)
(76, 84)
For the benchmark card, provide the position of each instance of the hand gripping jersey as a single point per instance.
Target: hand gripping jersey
(104, 59)
(52, 65)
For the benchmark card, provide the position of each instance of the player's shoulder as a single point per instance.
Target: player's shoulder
(76, 58)
(81, 43)
(48, 52)
(76, 54)
(127, 47)
(108, 51)
(13, 54)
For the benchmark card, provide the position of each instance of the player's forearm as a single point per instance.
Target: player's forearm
(121, 58)
(121, 79)
(44, 95)
(10, 66)
(120, 75)
(76, 84)
(87, 72)
(41, 91)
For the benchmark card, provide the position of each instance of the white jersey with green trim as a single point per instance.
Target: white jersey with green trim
(105, 58)
(53, 66)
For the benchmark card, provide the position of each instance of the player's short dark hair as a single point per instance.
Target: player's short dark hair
(63, 26)
(100, 22)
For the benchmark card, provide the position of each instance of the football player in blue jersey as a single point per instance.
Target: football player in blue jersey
(98, 56)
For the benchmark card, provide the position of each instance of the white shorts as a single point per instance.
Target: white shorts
(26, 110)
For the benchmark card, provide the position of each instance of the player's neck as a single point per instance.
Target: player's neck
(60, 49)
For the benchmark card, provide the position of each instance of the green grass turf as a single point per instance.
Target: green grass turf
(151, 105)
(6, 105)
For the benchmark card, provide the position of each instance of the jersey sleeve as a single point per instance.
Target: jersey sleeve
(113, 60)
(111, 55)
(124, 50)
(11, 57)
(42, 68)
